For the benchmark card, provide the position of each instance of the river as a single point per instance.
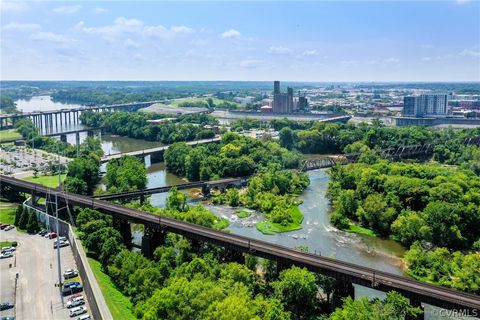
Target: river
(317, 233)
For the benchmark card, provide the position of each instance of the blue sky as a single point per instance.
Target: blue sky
(297, 41)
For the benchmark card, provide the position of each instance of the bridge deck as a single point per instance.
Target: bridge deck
(427, 293)
(146, 152)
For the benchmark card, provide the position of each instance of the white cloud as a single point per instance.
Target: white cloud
(470, 53)
(231, 34)
(122, 26)
(13, 6)
(21, 26)
(278, 50)
(310, 53)
(129, 43)
(250, 63)
(426, 58)
(99, 10)
(67, 9)
(181, 29)
(391, 60)
(48, 36)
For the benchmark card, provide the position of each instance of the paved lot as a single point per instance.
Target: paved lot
(35, 261)
(21, 159)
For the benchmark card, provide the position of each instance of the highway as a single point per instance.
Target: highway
(383, 281)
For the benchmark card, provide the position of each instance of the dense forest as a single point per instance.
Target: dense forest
(235, 156)
(7, 105)
(135, 125)
(317, 137)
(431, 207)
(189, 280)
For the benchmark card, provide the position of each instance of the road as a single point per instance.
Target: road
(36, 263)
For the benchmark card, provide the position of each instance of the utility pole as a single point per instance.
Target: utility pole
(58, 230)
(58, 249)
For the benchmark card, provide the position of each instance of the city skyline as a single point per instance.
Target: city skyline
(307, 41)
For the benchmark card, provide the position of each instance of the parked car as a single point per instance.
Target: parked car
(51, 235)
(7, 249)
(78, 311)
(71, 290)
(3, 226)
(10, 227)
(4, 255)
(43, 232)
(84, 317)
(75, 302)
(70, 273)
(10, 318)
(61, 244)
(6, 305)
(78, 295)
(70, 284)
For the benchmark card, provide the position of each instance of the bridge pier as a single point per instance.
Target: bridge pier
(152, 238)
(90, 133)
(232, 255)
(416, 303)
(343, 289)
(206, 190)
(63, 138)
(156, 157)
(123, 226)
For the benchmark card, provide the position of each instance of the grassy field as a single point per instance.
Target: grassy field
(353, 228)
(47, 181)
(269, 228)
(243, 214)
(120, 306)
(9, 134)
(7, 215)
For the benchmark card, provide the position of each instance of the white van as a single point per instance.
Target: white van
(77, 311)
(75, 302)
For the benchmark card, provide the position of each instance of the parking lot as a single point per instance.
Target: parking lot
(16, 159)
(36, 295)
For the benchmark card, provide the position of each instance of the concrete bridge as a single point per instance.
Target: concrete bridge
(156, 153)
(394, 154)
(345, 273)
(63, 135)
(54, 118)
(206, 186)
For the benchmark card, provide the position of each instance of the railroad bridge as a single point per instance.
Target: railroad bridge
(394, 154)
(206, 186)
(345, 273)
(156, 153)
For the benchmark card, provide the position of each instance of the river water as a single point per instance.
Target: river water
(317, 233)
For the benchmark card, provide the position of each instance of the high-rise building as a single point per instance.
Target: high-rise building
(426, 105)
(282, 102)
(276, 87)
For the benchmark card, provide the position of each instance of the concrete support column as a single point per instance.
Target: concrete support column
(90, 133)
(65, 118)
(206, 190)
(123, 226)
(343, 289)
(156, 157)
(63, 138)
(69, 118)
(152, 238)
(231, 255)
(417, 303)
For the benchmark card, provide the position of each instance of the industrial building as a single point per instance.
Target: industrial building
(284, 102)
